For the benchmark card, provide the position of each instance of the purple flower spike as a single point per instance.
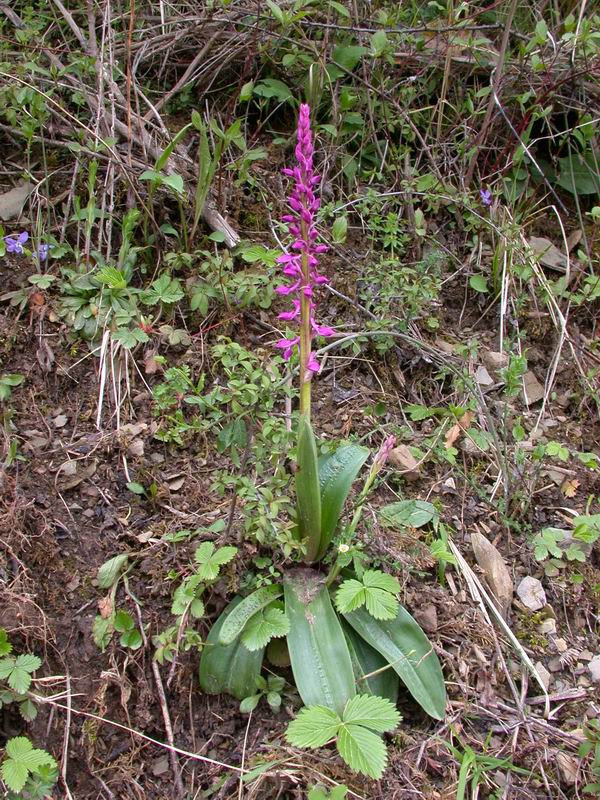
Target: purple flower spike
(14, 244)
(301, 263)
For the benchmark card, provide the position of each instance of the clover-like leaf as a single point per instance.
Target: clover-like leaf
(313, 727)
(211, 560)
(21, 759)
(271, 623)
(375, 590)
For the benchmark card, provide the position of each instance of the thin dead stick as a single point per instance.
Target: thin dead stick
(480, 595)
(241, 786)
(162, 699)
(178, 750)
(65, 753)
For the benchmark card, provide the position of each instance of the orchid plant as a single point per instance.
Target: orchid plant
(345, 635)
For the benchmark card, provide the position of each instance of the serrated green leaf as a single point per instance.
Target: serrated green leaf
(233, 669)
(381, 604)
(308, 496)
(6, 667)
(362, 750)
(28, 662)
(272, 623)
(111, 570)
(337, 473)
(313, 727)
(19, 680)
(5, 645)
(318, 651)
(375, 713)
(28, 710)
(211, 560)
(14, 774)
(380, 580)
(249, 606)
(406, 648)
(350, 595)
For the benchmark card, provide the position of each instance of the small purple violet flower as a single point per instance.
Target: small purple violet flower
(14, 244)
(486, 197)
(43, 252)
(300, 264)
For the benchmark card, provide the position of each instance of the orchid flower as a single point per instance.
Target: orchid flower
(301, 262)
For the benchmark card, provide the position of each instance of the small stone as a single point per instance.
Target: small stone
(60, 421)
(561, 645)
(545, 676)
(531, 593)
(494, 360)
(402, 459)
(548, 626)
(160, 766)
(427, 618)
(532, 389)
(568, 767)
(483, 377)
(594, 669)
(555, 664)
(586, 655)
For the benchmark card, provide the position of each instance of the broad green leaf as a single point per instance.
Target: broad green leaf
(313, 727)
(110, 571)
(269, 624)
(233, 669)
(579, 174)
(132, 639)
(479, 283)
(102, 631)
(248, 704)
(375, 713)
(249, 606)
(210, 560)
(337, 473)
(348, 56)
(362, 750)
(123, 622)
(271, 87)
(408, 514)
(372, 672)
(174, 182)
(318, 651)
(339, 229)
(308, 496)
(406, 648)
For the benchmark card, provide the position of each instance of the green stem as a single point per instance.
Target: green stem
(305, 332)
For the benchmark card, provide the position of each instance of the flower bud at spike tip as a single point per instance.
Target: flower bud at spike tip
(301, 262)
